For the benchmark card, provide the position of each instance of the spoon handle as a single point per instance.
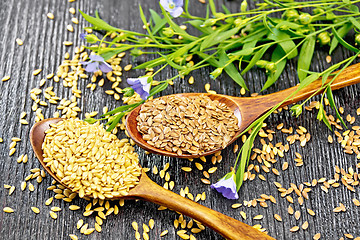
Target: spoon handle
(261, 104)
(350, 76)
(228, 227)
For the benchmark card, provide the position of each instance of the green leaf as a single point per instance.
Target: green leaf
(256, 58)
(171, 63)
(152, 63)
(159, 22)
(109, 54)
(355, 22)
(243, 52)
(158, 88)
(343, 42)
(332, 104)
(308, 80)
(208, 40)
(231, 70)
(305, 57)
(99, 23)
(245, 155)
(322, 116)
(342, 31)
(226, 10)
(285, 42)
(197, 24)
(120, 109)
(115, 121)
(354, 8)
(217, 37)
(211, 60)
(212, 7)
(143, 18)
(277, 54)
(256, 35)
(186, 6)
(286, 25)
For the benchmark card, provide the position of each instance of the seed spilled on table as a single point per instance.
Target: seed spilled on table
(186, 124)
(90, 160)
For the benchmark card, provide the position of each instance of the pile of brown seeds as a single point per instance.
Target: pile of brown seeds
(90, 160)
(186, 124)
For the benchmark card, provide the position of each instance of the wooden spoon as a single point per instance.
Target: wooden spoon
(247, 109)
(149, 191)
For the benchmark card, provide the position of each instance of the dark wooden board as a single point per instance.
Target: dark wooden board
(43, 49)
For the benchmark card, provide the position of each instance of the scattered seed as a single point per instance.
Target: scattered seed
(55, 209)
(12, 151)
(89, 231)
(68, 43)
(72, 10)
(19, 41)
(135, 226)
(305, 225)
(311, 212)
(277, 217)
(191, 80)
(49, 201)
(36, 72)
(6, 78)
(294, 229)
(53, 215)
(290, 210)
(35, 210)
(50, 16)
(163, 233)
(258, 217)
(317, 236)
(151, 223)
(31, 187)
(8, 210)
(73, 237)
(79, 224)
(11, 190)
(186, 169)
(199, 166)
(23, 186)
(74, 207)
(128, 67)
(70, 28)
(236, 205)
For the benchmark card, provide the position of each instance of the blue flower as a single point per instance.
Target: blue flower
(141, 86)
(83, 36)
(174, 7)
(97, 63)
(227, 186)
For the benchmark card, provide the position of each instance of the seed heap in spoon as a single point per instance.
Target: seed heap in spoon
(90, 160)
(186, 124)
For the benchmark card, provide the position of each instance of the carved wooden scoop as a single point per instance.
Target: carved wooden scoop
(149, 191)
(248, 108)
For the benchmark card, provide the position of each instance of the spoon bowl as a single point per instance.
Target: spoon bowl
(150, 191)
(131, 125)
(248, 109)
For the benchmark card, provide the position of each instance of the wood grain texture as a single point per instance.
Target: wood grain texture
(43, 48)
